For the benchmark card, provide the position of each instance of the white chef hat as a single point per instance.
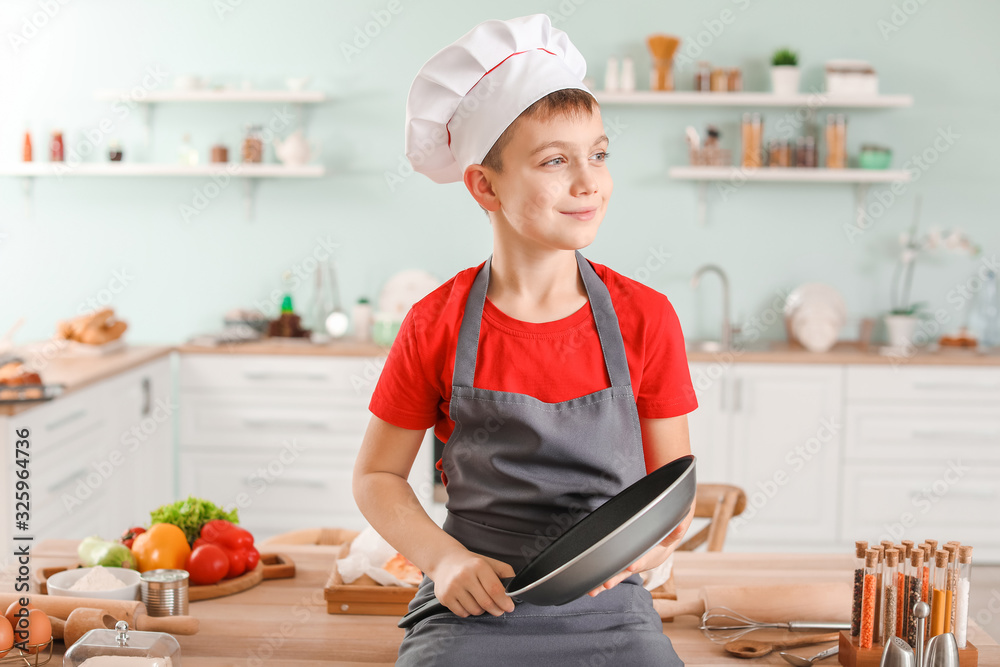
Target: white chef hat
(469, 92)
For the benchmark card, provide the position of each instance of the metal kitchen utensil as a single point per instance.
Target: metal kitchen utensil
(602, 544)
(897, 653)
(736, 625)
(921, 610)
(941, 651)
(750, 648)
(799, 661)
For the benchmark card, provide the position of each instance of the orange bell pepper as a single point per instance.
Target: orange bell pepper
(162, 546)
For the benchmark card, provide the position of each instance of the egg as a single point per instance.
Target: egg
(39, 629)
(11, 613)
(6, 637)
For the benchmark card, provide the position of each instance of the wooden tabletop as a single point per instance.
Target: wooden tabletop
(284, 621)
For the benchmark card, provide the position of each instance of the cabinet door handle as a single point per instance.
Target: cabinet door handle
(67, 479)
(147, 394)
(957, 386)
(71, 417)
(956, 435)
(285, 423)
(738, 395)
(260, 375)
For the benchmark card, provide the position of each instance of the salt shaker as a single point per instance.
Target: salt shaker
(611, 81)
(627, 82)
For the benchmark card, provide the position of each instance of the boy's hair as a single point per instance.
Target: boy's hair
(567, 102)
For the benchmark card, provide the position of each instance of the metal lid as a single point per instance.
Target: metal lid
(164, 579)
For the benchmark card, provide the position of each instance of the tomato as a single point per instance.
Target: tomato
(207, 564)
(162, 546)
(237, 562)
(225, 534)
(253, 557)
(128, 537)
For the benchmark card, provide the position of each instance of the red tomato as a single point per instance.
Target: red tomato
(207, 564)
(225, 534)
(237, 562)
(253, 557)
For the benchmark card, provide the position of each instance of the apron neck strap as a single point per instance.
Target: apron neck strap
(605, 319)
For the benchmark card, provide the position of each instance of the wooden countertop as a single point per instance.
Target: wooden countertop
(293, 346)
(846, 352)
(80, 371)
(284, 621)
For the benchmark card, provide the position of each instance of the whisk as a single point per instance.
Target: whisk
(735, 625)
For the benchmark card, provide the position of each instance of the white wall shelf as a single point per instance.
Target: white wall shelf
(737, 176)
(749, 99)
(249, 173)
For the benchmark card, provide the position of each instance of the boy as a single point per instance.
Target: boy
(525, 365)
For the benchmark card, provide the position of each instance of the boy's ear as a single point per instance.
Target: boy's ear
(478, 181)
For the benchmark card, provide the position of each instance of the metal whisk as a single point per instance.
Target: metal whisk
(733, 625)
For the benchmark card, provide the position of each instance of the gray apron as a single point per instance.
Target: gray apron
(520, 473)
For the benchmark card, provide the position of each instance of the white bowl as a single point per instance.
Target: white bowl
(60, 582)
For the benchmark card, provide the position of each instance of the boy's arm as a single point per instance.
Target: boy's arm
(465, 582)
(663, 441)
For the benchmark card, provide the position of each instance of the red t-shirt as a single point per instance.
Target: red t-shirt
(551, 361)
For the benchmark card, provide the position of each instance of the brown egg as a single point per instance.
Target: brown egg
(39, 629)
(6, 637)
(11, 611)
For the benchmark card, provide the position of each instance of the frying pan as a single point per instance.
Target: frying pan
(600, 545)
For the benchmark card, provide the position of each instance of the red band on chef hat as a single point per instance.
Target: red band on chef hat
(468, 93)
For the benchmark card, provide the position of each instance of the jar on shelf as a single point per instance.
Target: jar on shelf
(735, 80)
(253, 144)
(836, 141)
(703, 77)
(720, 80)
(753, 137)
(56, 153)
(805, 152)
(779, 153)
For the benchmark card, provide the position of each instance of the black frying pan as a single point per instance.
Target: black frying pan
(602, 544)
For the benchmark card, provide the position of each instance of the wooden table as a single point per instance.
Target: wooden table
(284, 621)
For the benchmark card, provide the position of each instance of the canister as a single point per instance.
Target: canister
(165, 592)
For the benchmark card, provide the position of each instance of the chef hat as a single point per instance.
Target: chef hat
(469, 92)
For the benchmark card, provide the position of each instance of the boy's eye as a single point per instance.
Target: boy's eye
(601, 155)
(553, 161)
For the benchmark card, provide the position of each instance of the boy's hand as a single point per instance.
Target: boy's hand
(652, 558)
(469, 583)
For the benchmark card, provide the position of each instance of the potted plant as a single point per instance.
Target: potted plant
(785, 72)
(901, 322)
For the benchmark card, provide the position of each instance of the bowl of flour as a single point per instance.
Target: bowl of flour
(106, 583)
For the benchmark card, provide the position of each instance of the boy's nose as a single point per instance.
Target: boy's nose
(583, 181)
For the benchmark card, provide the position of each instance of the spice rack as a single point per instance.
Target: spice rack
(862, 179)
(852, 655)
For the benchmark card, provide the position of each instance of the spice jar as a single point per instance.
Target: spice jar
(703, 77)
(753, 136)
(735, 80)
(950, 584)
(805, 152)
(860, 548)
(779, 153)
(890, 595)
(56, 146)
(836, 141)
(720, 80)
(868, 600)
(26, 153)
(114, 151)
(253, 144)
(220, 153)
(962, 595)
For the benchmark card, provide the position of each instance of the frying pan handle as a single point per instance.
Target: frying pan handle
(429, 608)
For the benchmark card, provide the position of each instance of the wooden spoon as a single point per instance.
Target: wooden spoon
(750, 648)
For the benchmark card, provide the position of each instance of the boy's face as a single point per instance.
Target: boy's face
(555, 185)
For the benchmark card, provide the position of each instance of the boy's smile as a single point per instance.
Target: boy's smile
(554, 186)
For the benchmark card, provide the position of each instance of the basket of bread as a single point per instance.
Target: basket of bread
(20, 384)
(98, 332)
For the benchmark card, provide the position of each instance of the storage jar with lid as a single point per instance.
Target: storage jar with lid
(147, 649)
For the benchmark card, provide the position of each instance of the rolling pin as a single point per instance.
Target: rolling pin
(779, 602)
(132, 612)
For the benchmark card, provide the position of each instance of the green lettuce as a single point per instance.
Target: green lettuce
(191, 514)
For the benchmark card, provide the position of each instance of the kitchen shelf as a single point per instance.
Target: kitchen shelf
(246, 96)
(250, 173)
(860, 178)
(749, 99)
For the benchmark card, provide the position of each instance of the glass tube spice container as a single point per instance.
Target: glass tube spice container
(925, 587)
(912, 595)
(951, 583)
(938, 599)
(879, 567)
(904, 562)
(907, 548)
(868, 600)
(890, 594)
(962, 595)
(860, 548)
(753, 138)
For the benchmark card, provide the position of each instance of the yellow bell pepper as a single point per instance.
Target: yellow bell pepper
(162, 546)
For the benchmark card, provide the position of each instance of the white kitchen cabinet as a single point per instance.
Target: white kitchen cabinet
(277, 435)
(86, 476)
(774, 430)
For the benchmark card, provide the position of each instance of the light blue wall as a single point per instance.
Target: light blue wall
(183, 276)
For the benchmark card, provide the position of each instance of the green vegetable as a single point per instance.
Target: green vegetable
(95, 551)
(191, 514)
(785, 57)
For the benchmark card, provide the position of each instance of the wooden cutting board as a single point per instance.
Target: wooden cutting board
(271, 566)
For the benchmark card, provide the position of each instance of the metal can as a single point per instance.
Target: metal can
(165, 592)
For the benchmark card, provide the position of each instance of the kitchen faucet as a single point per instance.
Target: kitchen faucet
(727, 329)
